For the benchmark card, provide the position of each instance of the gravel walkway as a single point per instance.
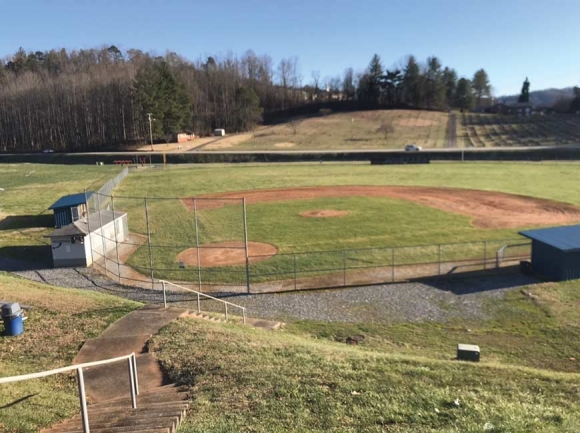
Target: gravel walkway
(442, 300)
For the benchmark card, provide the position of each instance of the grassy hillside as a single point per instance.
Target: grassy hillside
(356, 130)
(487, 130)
(29, 189)
(401, 378)
(57, 326)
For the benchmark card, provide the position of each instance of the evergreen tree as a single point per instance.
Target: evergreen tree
(248, 111)
(435, 86)
(525, 95)
(464, 95)
(374, 83)
(157, 91)
(481, 86)
(412, 83)
(450, 80)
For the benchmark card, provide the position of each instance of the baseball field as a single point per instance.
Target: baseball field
(313, 213)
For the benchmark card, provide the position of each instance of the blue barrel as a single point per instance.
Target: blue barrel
(12, 318)
(13, 325)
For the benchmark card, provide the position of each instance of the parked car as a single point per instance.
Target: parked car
(412, 148)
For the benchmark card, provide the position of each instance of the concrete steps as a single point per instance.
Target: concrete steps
(159, 410)
(256, 323)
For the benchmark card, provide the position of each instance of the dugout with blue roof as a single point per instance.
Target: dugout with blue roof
(70, 208)
(556, 252)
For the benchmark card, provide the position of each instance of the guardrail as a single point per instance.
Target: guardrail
(199, 294)
(132, 367)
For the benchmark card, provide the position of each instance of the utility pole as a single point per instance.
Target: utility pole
(150, 130)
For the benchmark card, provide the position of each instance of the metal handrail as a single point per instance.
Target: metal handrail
(199, 294)
(133, 379)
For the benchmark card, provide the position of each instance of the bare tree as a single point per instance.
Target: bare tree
(315, 84)
(386, 128)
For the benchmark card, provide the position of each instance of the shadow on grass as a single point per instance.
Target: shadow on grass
(25, 258)
(481, 281)
(15, 402)
(18, 222)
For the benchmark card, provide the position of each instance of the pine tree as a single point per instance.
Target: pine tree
(481, 86)
(525, 95)
(412, 83)
(464, 95)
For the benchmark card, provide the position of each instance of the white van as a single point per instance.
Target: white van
(412, 148)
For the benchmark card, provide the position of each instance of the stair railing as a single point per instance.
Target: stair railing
(199, 295)
(132, 369)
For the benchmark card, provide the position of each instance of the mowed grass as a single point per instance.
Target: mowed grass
(401, 378)
(59, 323)
(29, 189)
(356, 130)
(372, 222)
(487, 130)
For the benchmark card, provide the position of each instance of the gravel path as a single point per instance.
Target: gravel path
(442, 300)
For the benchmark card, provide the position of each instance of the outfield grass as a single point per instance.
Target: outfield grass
(355, 130)
(29, 189)
(60, 322)
(372, 222)
(401, 378)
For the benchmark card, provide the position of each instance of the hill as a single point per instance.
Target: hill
(542, 98)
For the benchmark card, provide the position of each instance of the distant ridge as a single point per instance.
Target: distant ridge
(546, 97)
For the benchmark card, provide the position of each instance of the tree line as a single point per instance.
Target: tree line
(102, 98)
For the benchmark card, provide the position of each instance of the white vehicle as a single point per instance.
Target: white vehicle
(412, 148)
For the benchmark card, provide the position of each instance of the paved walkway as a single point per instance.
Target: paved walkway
(128, 334)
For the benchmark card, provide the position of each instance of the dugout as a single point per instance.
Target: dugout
(556, 252)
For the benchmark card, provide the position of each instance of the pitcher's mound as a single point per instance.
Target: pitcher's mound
(227, 253)
(323, 213)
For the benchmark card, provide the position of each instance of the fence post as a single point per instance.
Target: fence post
(164, 295)
(484, 255)
(344, 268)
(393, 264)
(132, 384)
(439, 259)
(103, 240)
(198, 304)
(197, 245)
(226, 305)
(295, 276)
(246, 245)
(88, 205)
(83, 398)
(134, 360)
(116, 239)
(149, 244)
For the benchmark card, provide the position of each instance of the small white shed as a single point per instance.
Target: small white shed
(220, 132)
(78, 243)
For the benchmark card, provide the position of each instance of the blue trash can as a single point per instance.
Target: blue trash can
(12, 318)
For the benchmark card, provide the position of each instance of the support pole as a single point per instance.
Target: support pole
(83, 399)
(149, 244)
(439, 259)
(89, 225)
(164, 295)
(344, 268)
(116, 239)
(295, 272)
(393, 264)
(132, 384)
(104, 241)
(246, 245)
(134, 359)
(484, 255)
(197, 248)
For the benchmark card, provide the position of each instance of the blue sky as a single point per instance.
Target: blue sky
(511, 39)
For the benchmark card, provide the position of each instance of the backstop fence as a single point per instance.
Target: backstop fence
(202, 243)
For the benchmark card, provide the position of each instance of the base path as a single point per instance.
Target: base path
(488, 209)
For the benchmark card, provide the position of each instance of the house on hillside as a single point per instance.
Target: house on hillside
(70, 208)
(79, 243)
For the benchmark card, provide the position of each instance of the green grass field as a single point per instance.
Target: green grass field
(57, 326)
(400, 379)
(29, 189)
(372, 222)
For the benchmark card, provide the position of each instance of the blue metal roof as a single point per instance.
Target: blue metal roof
(71, 200)
(566, 238)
